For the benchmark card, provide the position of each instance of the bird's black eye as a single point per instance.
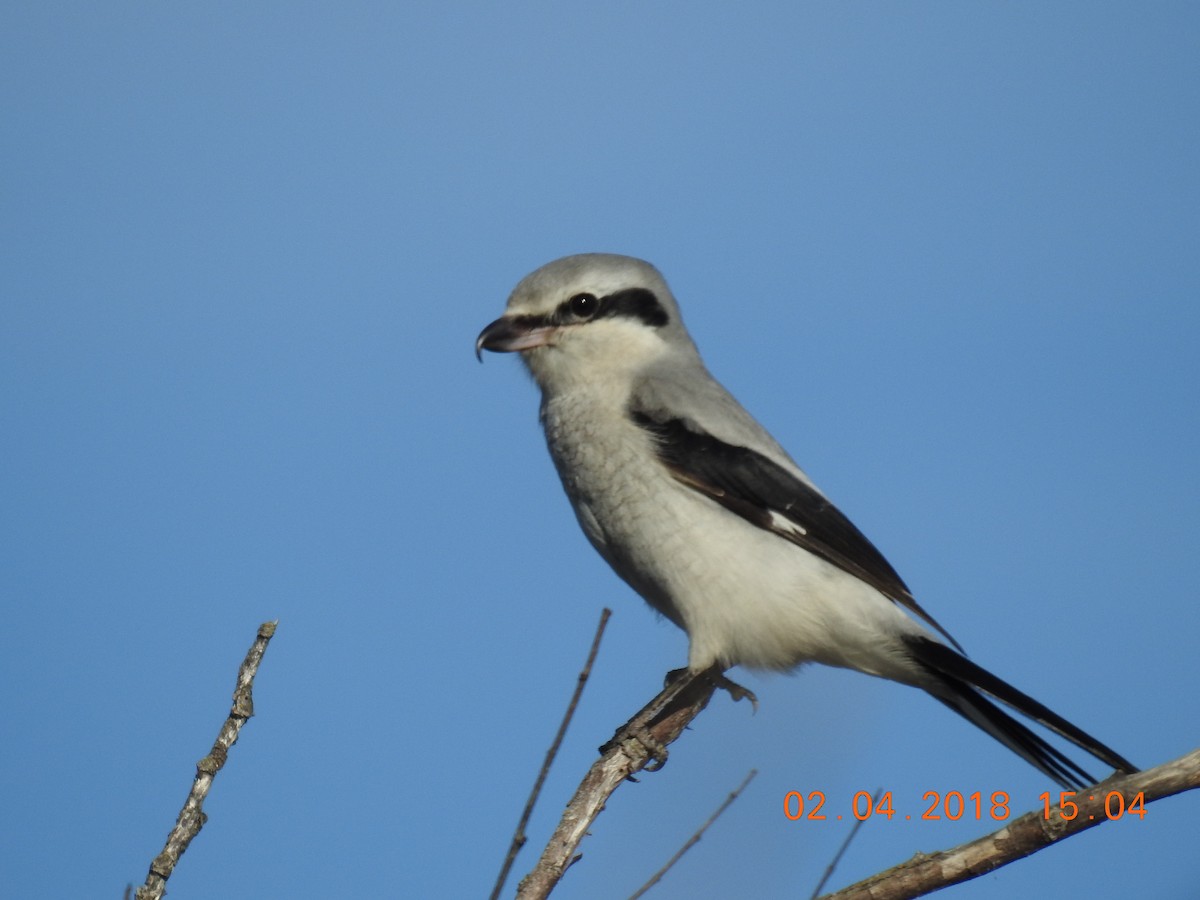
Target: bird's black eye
(584, 305)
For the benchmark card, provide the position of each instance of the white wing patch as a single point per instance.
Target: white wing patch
(785, 526)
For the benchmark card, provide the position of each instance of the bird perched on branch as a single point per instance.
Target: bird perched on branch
(704, 514)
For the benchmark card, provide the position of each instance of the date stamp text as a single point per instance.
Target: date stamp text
(953, 806)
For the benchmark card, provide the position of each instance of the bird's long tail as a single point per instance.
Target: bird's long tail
(961, 685)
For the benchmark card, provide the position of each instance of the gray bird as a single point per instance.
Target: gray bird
(704, 514)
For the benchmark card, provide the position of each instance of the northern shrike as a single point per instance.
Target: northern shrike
(706, 516)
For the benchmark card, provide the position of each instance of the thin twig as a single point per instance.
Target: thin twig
(1033, 831)
(519, 836)
(642, 739)
(192, 816)
(694, 839)
(837, 857)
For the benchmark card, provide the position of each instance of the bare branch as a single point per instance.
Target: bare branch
(192, 817)
(695, 838)
(641, 740)
(1023, 836)
(519, 836)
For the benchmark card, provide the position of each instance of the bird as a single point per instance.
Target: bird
(700, 510)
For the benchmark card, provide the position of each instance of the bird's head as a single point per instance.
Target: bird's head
(588, 317)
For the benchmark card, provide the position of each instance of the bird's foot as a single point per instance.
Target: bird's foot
(643, 738)
(637, 732)
(735, 690)
(639, 728)
(675, 694)
(717, 678)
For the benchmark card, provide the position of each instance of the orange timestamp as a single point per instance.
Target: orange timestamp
(955, 805)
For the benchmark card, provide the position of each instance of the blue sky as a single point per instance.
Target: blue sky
(946, 252)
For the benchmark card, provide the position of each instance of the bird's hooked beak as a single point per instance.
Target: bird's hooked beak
(509, 334)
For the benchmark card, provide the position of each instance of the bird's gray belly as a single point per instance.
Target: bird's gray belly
(626, 504)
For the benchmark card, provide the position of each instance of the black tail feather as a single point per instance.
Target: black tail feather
(963, 681)
(980, 711)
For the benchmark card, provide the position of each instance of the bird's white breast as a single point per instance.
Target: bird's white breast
(744, 595)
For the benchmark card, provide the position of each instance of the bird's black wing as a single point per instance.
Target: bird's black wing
(767, 495)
